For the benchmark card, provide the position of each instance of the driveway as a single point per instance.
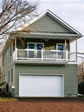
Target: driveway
(42, 105)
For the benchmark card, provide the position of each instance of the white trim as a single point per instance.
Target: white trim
(39, 74)
(73, 63)
(54, 16)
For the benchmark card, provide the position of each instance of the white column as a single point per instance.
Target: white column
(15, 43)
(65, 45)
(66, 55)
(66, 51)
(76, 49)
(42, 54)
(15, 48)
(16, 53)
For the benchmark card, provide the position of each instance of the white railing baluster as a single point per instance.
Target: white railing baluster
(16, 53)
(42, 54)
(66, 55)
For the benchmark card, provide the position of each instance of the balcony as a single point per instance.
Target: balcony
(43, 56)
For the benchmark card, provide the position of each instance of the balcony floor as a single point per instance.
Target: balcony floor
(40, 62)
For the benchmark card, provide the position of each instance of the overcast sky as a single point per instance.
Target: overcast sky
(71, 11)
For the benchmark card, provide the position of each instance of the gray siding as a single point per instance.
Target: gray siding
(7, 58)
(69, 71)
(47, 24)
(7, 61)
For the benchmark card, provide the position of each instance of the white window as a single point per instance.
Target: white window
(37, 46)
(60, 46)
(35, 49)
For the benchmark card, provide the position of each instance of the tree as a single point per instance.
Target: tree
(13, 11)
(81, 72)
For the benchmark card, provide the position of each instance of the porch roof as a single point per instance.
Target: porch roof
(45, 35)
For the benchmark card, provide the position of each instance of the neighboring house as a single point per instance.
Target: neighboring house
(40, 63)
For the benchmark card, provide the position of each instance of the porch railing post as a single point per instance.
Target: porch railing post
(67, 55)
(42, 54)
(16, 54)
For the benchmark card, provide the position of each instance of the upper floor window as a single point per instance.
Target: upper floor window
(36, 51)
(60, 46)
(37, 46)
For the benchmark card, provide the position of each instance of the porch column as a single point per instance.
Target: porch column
(15, 48)
(76, 49)
(65, 45)
(66, 52)
(15, 42)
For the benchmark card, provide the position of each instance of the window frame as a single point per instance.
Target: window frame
(59, 44)
(35, 43)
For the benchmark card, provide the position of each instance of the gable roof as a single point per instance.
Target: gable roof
(55, 17)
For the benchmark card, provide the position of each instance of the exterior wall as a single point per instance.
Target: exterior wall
(6, 76)
(47, 24)
(7, 63)
(69, 71)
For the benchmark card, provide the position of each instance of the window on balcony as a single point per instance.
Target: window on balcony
(60, 48)
(34, 50)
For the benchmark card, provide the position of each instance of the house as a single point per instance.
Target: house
(40, 63)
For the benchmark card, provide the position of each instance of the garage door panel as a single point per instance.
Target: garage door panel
(35, 86)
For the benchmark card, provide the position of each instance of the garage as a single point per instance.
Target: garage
(41, 86)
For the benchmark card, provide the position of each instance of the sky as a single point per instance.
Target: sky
(71, 11)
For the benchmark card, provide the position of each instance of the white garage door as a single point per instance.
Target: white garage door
(41, 86)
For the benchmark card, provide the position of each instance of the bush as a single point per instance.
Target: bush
(81, 88)
(4, 90)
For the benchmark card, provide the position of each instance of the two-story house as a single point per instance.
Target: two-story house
(40, 63)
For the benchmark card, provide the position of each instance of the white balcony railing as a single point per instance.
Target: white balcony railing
(44, 55)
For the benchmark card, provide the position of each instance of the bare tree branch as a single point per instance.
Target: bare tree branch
(13, 11)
